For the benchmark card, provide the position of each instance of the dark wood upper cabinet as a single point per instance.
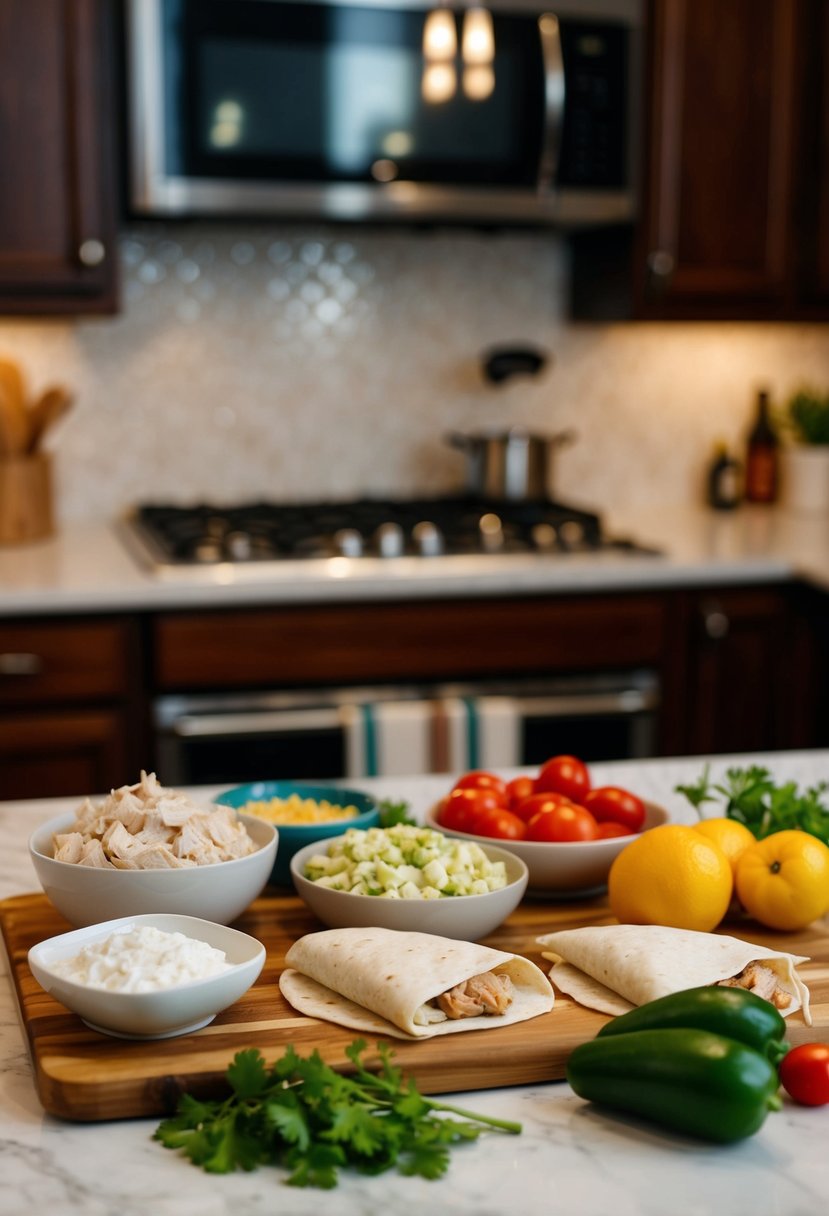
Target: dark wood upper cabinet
(734, 203)
(58, 200)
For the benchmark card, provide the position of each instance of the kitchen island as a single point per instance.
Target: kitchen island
(570, 1156)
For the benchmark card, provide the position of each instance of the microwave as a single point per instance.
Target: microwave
(327, 110)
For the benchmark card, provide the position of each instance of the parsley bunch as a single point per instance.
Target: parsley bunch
(753, 798)
(306, 1117)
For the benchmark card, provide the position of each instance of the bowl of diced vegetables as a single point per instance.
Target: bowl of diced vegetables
(302, 813)
(409, 877)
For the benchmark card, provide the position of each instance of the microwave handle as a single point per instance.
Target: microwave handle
(555, 89)
(255, 722)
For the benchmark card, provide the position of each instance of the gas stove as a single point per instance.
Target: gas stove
(262, 537)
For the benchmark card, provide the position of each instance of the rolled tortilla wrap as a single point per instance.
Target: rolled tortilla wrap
(613, 968)
(385, 982)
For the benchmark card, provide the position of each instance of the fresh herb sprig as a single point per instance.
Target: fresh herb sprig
(753, 798)
(392, 813)
(304, 1116)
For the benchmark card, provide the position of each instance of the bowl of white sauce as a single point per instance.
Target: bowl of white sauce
(148, 977)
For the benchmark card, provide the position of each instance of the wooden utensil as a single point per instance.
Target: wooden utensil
(45, 412)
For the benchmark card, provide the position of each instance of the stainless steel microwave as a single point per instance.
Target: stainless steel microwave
(324, 109)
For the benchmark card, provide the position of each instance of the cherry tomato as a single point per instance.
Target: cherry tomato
(460, 807)
(609, 829)
(479, 780)
(804, 1073)
(563, 823)
(518, 789)
(497, 822)
(609, 803)
(566, 775)
(539, 802)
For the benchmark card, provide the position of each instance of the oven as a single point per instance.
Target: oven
(353, 732)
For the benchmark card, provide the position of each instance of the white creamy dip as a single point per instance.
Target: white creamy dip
(143, 959)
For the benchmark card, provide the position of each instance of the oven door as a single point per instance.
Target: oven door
(399, 731)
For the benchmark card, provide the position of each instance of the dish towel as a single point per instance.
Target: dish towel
(387, 738)
(476, 732)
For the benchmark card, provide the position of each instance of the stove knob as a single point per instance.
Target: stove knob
(348, 542)
(207, 550)
(491, 532)
(544, 537)
(239, 546)
(428, 539)
(572, 534)
(389, 540)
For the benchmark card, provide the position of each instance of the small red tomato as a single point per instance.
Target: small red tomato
(609, 829)
(563, 823)
(459, 808)
(540, 802)
(497, 822)
(566, 775)
(609, 803)
(480, 780)
(518, 789)
(804, 1073)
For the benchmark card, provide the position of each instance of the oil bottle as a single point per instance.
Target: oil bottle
(761, 455)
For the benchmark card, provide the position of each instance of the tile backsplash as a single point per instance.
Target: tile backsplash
(286, 363)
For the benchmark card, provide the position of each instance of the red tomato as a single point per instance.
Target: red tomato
(609, 803)
(518, 789)
(479, 780)
(565, 775)
(497, 822)
(563, 823)
(460, 807)
(804, 1073)
(608, 829)
(539, 802)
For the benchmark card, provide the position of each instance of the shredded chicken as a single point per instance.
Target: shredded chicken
(762, 981)
(148, 827)
(484, 994)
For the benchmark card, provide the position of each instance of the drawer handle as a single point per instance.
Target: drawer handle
(716, 624)
(22, 664)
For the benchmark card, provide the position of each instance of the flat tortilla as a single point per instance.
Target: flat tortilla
(613, 968)
(379, 980)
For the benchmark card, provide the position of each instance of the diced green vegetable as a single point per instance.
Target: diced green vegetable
(407, 862)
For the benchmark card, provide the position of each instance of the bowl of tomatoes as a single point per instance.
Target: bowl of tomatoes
(566, 829)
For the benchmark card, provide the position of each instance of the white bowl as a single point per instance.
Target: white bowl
(151, 1015)
(465, 917)
(218, 892)
(566, 870)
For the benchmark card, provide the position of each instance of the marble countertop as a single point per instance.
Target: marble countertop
(570, 1157)
(90, 568)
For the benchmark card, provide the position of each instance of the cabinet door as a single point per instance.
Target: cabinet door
(812, 159)
(57, 203)
(50, 755)
(716, 229)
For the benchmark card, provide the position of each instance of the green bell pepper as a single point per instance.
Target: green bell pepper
(733, 1012)
(688, 1080)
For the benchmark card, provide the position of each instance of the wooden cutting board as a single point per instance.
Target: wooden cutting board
(84, 1075)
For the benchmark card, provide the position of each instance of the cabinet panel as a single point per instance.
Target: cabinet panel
(45, 662)
(715, 235)
(57, 205)
(430, 640)
(812, 190)
(52, 755)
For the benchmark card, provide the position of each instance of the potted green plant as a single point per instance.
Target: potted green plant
(804, 463)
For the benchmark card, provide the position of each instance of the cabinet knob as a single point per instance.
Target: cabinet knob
(661, 263)
(12, 664)
(92, 252)
(716, 624)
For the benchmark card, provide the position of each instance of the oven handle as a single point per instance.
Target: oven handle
(188, 726)
(555, 90)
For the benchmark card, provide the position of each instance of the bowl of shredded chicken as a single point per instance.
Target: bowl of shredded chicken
(145, 848)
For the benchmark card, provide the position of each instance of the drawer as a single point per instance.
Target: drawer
(443, 639)
(44, 662)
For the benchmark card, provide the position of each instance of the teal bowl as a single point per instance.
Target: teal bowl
(294, 836)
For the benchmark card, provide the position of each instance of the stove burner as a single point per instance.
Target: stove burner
(262, 531)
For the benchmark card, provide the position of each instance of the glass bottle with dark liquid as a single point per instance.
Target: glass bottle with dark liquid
(761, 456)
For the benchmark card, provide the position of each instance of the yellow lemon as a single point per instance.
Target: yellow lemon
(732, 837)
(672, 876)
(783, 881)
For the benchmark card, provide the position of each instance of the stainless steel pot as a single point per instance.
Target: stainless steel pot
(513, 464)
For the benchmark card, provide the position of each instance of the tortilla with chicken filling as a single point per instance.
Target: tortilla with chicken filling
(410, 985)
